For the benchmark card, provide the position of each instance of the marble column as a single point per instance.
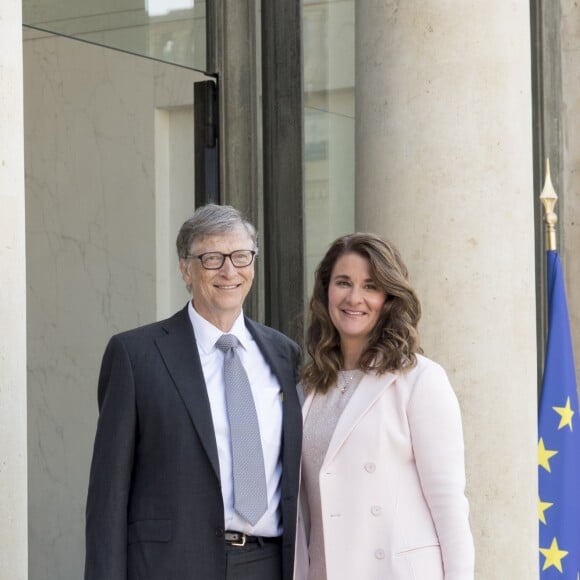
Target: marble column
(568, 207)
(444, 170)
(13, 470)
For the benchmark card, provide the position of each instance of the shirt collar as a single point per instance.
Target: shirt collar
(206, 334)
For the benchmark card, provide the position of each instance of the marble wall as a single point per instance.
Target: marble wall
(109, 179)
(13, 500)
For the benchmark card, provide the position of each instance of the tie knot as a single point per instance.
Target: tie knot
(226, 341)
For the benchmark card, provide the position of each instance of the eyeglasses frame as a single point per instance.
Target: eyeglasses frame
(224, 256)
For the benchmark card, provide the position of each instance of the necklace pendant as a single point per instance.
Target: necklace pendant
(344, 383)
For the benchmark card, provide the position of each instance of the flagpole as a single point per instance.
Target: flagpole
(558, 428)
(549, 198)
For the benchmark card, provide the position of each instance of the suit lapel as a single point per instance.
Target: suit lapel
(277, 360)
(179, 352)
(368, 391)
(282, 365)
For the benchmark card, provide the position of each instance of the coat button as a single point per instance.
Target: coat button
(219, 532)
(376, 510)
(370, 467)
(379, 554)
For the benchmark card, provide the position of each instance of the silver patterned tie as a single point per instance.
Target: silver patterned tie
(250, 495)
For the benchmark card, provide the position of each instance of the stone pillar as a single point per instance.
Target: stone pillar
(568, 207)
(444, 170)
(13, 472)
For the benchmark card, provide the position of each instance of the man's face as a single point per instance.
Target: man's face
(218, 295)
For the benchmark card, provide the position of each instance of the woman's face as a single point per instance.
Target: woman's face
(354, 300)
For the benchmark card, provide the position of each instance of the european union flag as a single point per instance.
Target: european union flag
(559, 442)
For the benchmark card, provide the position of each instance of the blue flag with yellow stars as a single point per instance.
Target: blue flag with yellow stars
(559, 442)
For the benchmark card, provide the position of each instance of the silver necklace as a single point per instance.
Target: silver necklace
(344, 381)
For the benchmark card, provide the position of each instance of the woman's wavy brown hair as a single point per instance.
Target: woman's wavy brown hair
(394, 341)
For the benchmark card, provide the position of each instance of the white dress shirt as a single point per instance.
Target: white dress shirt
(267, 399)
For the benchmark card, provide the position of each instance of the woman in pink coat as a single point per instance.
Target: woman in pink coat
(383, 479)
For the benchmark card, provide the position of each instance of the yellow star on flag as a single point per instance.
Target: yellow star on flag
(566, 413)
(553, 556)
(544, 456)
(542, 507)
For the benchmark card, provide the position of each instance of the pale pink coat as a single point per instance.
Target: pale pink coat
(393, 483)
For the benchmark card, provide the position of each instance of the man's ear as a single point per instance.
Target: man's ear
(184, 268)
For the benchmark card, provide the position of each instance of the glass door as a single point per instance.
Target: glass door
(328, 127)
(172, 31)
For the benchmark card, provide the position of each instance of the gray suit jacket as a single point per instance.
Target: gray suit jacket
(154, 505)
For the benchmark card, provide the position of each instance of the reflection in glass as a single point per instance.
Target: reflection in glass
(172, 31)
(162, 7)
(328, 126)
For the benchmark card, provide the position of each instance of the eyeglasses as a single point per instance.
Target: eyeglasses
(215, 260)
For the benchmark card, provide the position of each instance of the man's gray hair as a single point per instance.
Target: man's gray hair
(211, 220)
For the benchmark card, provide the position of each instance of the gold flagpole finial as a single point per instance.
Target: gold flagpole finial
(549, 199)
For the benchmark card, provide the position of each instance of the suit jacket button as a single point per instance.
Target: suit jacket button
(219, 532)
(370, 467)
(379, 554)
(376, 510)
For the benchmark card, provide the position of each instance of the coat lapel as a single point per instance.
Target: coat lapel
(179, 352)
(368, 391)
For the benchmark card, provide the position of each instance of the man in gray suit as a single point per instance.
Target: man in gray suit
(171, 469)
